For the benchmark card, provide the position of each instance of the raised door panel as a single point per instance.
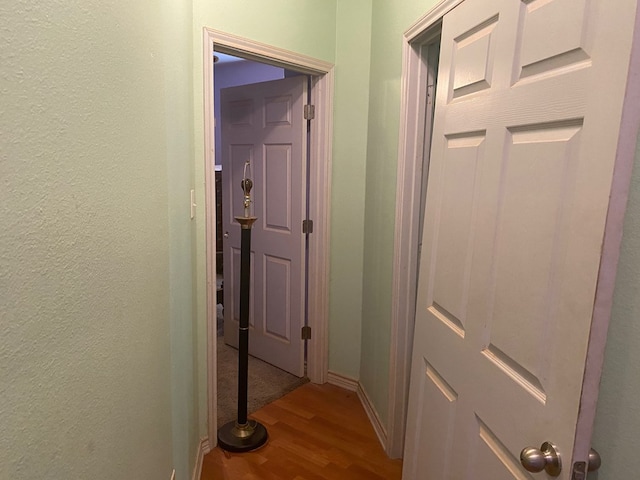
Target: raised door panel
(451, 247)
(276, 320)
(555, 37)
(435, 419)
(277, 194)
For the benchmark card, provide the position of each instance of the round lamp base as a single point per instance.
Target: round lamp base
(242, 438)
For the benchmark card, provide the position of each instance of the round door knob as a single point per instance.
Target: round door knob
(594, 460)
(546, 458)
(226, 235)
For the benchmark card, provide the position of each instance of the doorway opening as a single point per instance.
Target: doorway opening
(259, 124)
(421, 57)
(319, 172)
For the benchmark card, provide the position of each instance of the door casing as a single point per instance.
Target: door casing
(408, 213)
(319, 197)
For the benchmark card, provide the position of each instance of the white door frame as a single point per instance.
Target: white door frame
(408, 212)
(408, 189)
(319, 198)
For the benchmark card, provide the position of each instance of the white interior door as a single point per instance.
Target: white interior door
(527, 120)
(263, 123)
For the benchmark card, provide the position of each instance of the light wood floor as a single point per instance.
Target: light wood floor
(317, 432)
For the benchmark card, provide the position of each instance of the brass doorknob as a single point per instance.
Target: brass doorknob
(547, 458)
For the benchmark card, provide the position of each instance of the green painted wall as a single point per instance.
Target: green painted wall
(95, 161)
(390, 20)
(178, 124)
(303, 26)
(351, 105)
(617, 427)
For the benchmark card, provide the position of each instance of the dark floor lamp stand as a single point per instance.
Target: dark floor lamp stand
(243, 435)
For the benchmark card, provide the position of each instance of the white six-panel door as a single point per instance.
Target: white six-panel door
(264, 123)
(527, 118)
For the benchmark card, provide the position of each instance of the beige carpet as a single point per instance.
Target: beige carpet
(266, 383)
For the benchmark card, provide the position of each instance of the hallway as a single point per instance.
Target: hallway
(317, 432)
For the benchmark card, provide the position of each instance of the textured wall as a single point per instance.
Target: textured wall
(617, 427)
(390, 20)
(304, 26)
(84, 244)
(177, 124)
(351, 105)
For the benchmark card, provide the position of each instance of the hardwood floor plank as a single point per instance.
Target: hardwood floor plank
(317, 432)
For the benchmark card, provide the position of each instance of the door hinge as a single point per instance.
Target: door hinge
(307, 226)
(579, 471)
(306, 332)
(309, 112)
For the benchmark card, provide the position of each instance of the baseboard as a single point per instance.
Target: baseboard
(203, 449)
(377, 425)
(354, 385)
(343, 381)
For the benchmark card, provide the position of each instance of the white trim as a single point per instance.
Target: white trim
(429, 19)
(376, 423)
(408, 188)
(210, 222)
(319, 241)
(319, 197)
(203, 449)
(342, 381)
(353, 385)
(261, 52)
